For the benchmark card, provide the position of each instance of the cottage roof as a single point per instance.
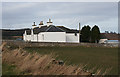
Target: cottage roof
(51, 28)
(67, 30)
(110, 36)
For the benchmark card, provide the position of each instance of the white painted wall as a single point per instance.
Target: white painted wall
(27, 38)
(102, 40)
(70, 37)
(53, 36)
(34, 38)
(24, 38)
(40, 38)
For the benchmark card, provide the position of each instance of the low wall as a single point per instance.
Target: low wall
(39, 44)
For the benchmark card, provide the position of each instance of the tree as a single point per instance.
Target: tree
(88, 30)
(85, 34)
(95, 34)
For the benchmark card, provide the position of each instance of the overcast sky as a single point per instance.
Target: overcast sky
(22, 14)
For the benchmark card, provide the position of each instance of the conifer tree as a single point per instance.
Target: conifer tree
(85, 34)
(95, 34)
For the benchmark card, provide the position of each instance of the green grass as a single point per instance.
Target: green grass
(99, 57)
(8, 69)
(0, 65)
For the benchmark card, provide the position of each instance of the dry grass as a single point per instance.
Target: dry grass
(36, 64)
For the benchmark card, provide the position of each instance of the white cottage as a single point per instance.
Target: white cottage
(51, 33)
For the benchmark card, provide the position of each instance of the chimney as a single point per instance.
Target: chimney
(41, 24)
(49, 22)
(33, 25)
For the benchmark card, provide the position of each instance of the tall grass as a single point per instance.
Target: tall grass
(99, 57)
(37, 64)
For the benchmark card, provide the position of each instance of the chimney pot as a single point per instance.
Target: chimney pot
(41, 23)
(49, 20)
(34, 23)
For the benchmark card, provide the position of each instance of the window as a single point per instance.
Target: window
(75, 34)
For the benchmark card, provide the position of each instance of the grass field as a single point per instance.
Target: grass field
(8, 69)
(98, 57)
(0, 64)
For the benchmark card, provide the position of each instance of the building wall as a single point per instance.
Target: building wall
(24, 38)
(53, 36)
(102, 40)
(27, 37)
(40, 37)
(70, 37)
(34, 37)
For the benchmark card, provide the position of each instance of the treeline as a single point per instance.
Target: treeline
(90, 35)
(9, 34)
(17, 32)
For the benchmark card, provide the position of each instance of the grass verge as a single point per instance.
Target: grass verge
(99, 57)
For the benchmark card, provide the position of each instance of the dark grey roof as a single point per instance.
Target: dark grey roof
(67, 30)
(51, 28)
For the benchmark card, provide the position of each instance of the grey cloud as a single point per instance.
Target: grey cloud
(63, 13)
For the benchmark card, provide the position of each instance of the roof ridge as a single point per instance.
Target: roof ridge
(48, 29)
(55, 27)
(60, 29)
